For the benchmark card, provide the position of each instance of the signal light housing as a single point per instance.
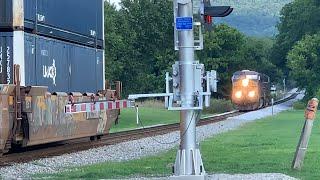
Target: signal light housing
(207, 19)
(208, 11)
(217, 11)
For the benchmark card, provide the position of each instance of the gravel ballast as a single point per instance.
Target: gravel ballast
(137, 148)
(254, 176)
(260, 176)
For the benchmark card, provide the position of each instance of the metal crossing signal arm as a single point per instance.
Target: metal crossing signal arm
(97, 106)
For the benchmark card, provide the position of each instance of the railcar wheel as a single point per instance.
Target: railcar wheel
(93, 138)
(99, 137)
(2, 152)
(261, 103)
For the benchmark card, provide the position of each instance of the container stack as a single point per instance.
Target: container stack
(57, 43)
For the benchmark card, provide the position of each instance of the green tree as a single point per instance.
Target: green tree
(139, 44)
(223, 52)
(297, 19)
(304, 63)
(257, 54)
(117, 45)
(139, 48)
(227, 51)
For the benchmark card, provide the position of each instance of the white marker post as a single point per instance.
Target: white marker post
(305, 134)
(137, 114)
(272, 103)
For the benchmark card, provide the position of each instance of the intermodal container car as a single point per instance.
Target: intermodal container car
(78, 21)
(62, 66)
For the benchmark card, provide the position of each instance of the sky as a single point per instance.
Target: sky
(114, 1)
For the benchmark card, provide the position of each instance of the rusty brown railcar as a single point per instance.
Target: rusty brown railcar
(40, 46)
(43, 119)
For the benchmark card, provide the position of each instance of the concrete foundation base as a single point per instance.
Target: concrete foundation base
(189, 177)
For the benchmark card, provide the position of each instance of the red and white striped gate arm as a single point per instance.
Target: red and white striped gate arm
(97, 106)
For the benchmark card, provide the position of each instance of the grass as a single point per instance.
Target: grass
(148, 117)
(153, 113)
(265, 146)
(219, 106)
(299, 105)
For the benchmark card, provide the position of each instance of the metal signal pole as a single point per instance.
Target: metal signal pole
(191, 84)
(188, 147)
(188, 163)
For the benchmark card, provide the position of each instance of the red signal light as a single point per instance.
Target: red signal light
(208, 19)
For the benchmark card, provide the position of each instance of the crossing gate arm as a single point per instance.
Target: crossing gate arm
(97, 106)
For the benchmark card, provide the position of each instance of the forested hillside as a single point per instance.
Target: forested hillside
(253, 17)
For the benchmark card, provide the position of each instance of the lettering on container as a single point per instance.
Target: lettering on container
(50, 72)
(44, 53)
(98, 60)
(1, 57)
(8, 65)
(41, 18)
(93, 33)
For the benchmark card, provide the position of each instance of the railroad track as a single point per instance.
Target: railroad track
(55, 149)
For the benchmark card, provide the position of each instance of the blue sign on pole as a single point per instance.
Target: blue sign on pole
(184, 23)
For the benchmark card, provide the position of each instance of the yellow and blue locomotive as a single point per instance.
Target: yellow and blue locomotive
(250, 90)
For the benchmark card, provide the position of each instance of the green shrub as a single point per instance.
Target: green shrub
(219, 106)
(317, 94)
(216, 105)
(151, 104)
(299, 105)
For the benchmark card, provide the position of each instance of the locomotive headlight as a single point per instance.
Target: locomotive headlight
(252, 94)
(245, 82)
(238, 94)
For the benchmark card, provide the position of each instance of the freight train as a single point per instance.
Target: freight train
(51, 64)
(250, 90)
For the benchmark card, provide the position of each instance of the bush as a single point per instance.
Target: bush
(299, 105)
(317, 94)
(151, 104)
(216, 105)
(219, 106)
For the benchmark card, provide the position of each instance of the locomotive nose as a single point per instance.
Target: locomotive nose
(252, 94)
(238, 94)
(245, 82)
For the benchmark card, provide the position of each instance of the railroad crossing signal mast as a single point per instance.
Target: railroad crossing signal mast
(191, 85)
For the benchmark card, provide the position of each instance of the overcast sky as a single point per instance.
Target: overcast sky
(114, 1)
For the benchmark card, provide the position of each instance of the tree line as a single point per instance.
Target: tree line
(296, 51)
(140, 49)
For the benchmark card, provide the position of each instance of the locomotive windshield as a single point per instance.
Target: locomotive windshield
(251, 77)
